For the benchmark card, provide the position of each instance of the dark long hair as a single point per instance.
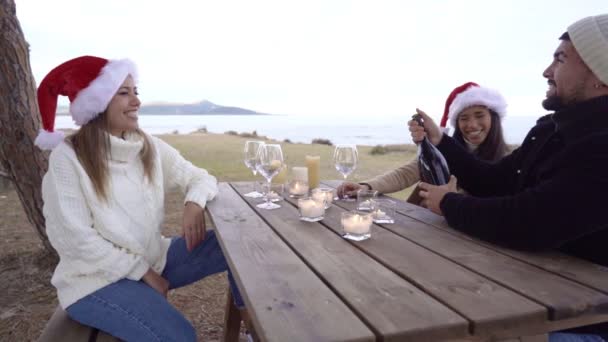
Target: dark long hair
(494, 147)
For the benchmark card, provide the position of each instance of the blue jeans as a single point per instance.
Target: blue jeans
(569, 337)
(133, 311)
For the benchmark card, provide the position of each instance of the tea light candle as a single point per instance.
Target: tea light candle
(365, 205)
(383, 210)
(357, 223)
(300, 173)
(311, 210)
(323, 194)
(379, 213)
(298, 188)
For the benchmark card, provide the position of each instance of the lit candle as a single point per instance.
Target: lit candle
(357, 224)
(298, 188)
(383, 210)
(365, 205)
(323, 194)
(300, 173)
(311, 210)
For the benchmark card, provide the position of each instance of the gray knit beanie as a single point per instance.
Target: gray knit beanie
(590, 39)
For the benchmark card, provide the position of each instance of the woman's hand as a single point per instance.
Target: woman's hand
(156, 281)
(349, 189)
(430, 129)
(433, 194)
(193, 225)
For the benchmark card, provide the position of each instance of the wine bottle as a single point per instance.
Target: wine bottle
(433, 166)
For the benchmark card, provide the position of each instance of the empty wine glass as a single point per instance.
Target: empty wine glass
(345, 160)
(251, 158)
(269, 164)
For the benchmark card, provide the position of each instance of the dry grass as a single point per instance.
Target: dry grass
(27, 299)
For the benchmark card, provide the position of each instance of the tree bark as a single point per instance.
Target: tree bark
(20, 159)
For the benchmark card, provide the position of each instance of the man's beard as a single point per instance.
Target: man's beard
(554, 103)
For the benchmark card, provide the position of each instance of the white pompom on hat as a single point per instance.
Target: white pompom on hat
(89, 82)
(468, 95)
(590, 39)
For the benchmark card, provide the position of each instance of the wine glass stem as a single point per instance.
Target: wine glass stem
(254, 181)
(268, 193)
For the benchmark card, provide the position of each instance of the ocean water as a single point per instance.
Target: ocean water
(377, 130)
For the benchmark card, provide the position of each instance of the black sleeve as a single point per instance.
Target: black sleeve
(567, 204)
(478, 177)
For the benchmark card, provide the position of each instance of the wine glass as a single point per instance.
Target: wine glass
(345, 160)
(269, 163)
(251, 158)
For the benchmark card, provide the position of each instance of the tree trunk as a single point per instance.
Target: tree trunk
(20, 159)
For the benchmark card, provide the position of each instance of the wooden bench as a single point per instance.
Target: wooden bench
(62, 328)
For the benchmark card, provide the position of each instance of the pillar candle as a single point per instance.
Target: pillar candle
(313, 163)
(299, 173)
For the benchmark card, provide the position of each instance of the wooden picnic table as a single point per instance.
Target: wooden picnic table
(416, 279)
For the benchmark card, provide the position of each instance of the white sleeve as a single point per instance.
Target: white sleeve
(196, 183)
(69, 226)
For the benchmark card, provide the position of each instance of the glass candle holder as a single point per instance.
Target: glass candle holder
(298, 188)
(324, 194)
(364, 199)
(383, 210)
(356, 225)
(310, 209)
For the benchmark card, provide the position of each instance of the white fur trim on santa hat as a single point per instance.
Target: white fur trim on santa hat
(48, 140)
(94, 99)
(477, 96)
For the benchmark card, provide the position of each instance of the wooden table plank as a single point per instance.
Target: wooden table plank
(562, 297)
(393, 307)
(586, 273)
(286, 300)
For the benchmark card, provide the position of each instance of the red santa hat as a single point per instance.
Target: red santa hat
(468, 95)
(89, 82)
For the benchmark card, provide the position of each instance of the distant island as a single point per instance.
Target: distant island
(200, 108)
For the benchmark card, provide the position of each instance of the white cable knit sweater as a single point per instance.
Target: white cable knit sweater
(102, 242)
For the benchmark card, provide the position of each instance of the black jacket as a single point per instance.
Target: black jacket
(549, 193)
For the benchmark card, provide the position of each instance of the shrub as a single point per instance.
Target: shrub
(202, 129)
(378, 149)
(287, 141)
(231, 133)
(253, 134)
(321, 141)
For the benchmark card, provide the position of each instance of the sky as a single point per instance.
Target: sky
(312, 57)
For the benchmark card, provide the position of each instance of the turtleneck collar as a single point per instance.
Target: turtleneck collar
(127, 149)
(470, 146)
(582, 118)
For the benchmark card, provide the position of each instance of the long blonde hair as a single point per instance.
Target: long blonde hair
(92, 146)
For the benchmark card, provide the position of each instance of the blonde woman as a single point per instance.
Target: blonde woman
(104, 205)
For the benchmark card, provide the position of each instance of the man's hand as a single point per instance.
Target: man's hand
(156, 281)
(430, 129)
(193, 225)
(433, 194)
(349, 189)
